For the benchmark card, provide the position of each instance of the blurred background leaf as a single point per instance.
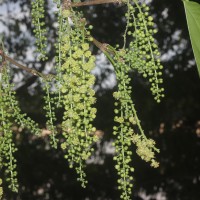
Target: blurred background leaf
(192, 10)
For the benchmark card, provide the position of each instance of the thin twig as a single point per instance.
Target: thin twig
(100, 45)
(103, 46)
(32, 71)
(3, 60)
(95, 2)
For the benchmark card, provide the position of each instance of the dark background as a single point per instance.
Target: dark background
(174, 123)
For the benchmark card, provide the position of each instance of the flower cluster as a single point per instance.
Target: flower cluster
(38, 20)
(58, 57)
(145, 149)
(123, 130)
(7, 146)
(142, 52)
(123, 156)
(77, 94)
(74, 91)
(19, 118)
(50, 114)
(126, 123)
(9, 112)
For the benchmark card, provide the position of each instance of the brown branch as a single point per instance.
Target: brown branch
(95, 2)
(3, 60)
(32, 71)
(103, 46)
(66, 4)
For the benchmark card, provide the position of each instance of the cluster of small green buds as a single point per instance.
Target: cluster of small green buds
(9, 161)
(145, 149)
(58, 58)
(123, 130)
(7, 146)
(74, 91)
(9, 96)
(143, 53)
(38, 20)
(10, 112)
(77, 96)
(50, 105)
(127, 120)
(123, 157)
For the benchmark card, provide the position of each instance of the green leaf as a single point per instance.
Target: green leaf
(192, 10)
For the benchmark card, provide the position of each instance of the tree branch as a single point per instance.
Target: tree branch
(32, 71)
(103, 47)
(94, 2)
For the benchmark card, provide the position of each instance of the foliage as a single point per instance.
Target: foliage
(192, 10)
(74, 81)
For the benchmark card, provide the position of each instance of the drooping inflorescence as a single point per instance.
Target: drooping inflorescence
(77, 92)
(38, 20)
(9, 113)
(74, 93)
(58, 57)
(49, 107)
(142, 52)
(122, 129)
(127, 129)
(7, 145)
